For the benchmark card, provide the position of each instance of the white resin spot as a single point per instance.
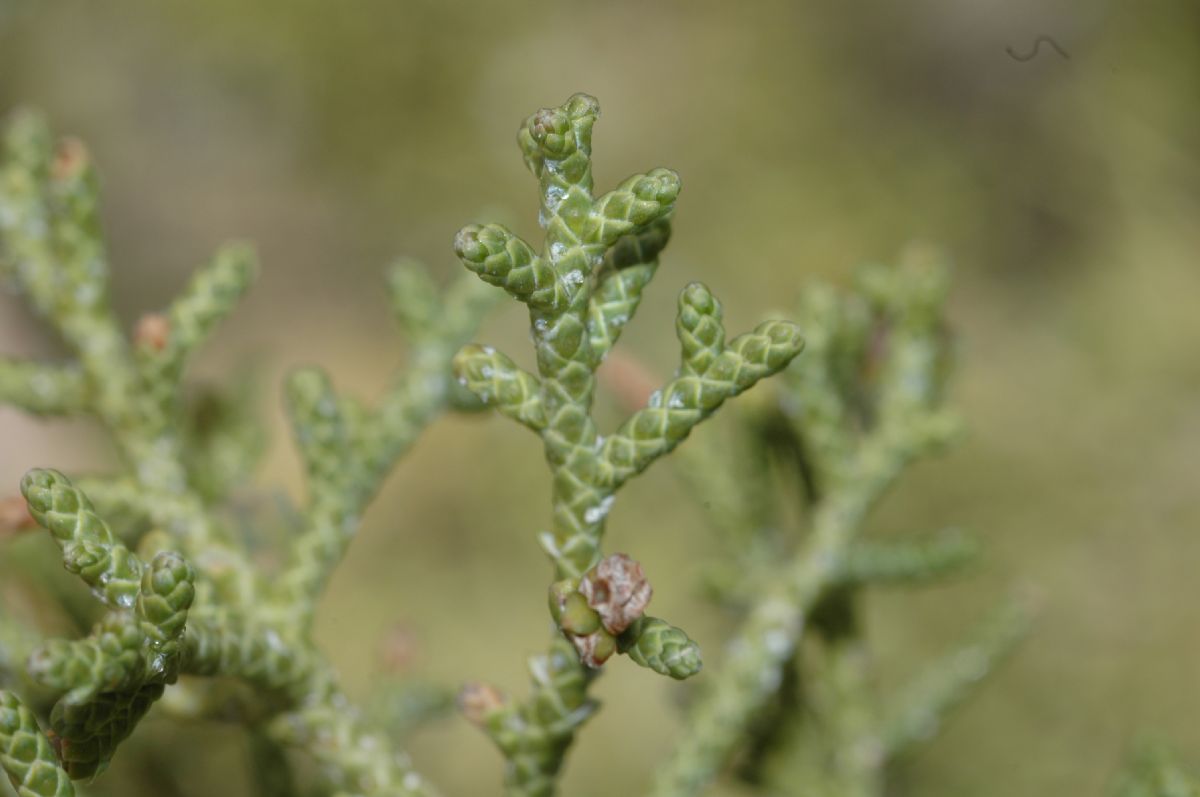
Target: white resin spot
(597, 513)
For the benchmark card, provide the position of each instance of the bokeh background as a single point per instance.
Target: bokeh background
(810, 138)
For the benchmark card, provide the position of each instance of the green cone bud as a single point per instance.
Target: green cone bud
(662, 647)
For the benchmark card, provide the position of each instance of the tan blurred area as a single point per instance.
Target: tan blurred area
(810, 138)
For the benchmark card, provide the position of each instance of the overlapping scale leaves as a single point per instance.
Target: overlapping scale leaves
(27, 755)
(193, 603)
(109, 679)
(863, 403)
(582, 289)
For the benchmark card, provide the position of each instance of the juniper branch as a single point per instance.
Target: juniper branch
(534, 735)
(728, 473)
(599, 253)
(202, 611)
(907, 422)
(212, 294)
(110, 678)
(26, 755)
(51, 249)
(348, 449)
(426, 386)
(769, 635)
(495, 379)
(710, 373)
(862, 405)
(89, 548)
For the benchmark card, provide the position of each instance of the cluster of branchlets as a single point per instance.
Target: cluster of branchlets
(181, 598)
(792, 702)
(793, 706)
(582, 289)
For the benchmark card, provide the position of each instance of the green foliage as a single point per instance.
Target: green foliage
(188, 601)
(661, 647)
(791, 706)
(794, 701)
(582, 289)
(26, 755)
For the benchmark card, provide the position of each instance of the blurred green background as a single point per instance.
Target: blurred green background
(810, 138)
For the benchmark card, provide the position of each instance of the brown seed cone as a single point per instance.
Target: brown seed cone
(618, 591)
